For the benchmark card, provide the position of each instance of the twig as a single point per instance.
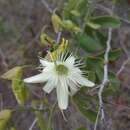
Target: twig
(109, 11)
(58, 37)
(105, 79)
(125, 20)
(37, 35)
(3, 58)
(47, 6)
(33, 124)
(103, 8)
(96, 122)
(35, 120)
(117, 106)
(122, 45)
(123, 66)
(126, 53)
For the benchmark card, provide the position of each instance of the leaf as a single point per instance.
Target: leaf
(104, 22)
(96, 34)
(113, 55)
(20, 90)
(75, 13)
(41, 122)
(10, 75)
(90, 114)
(95, 65)
(114, 81)
(46, 40)
(88, 43)
(93, 25)
(70, 26)
(56, 22)
(18, 87)
(83, 103)
(91, 76)
(113, 85)
(75, 9)
(5, 116)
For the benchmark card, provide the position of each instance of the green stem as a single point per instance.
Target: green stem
(50, 116)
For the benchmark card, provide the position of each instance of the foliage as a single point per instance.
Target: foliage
(5, 116)
(18, 86)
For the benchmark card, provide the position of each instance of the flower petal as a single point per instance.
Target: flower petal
(48, 87)
(79, 79)
(73, 87)
(85, 82)
(45, 62)
(62, 94)
(70, 61)
(40, 78)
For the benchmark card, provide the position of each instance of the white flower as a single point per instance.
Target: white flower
(64, 75)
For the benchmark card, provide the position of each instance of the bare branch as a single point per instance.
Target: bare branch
(109, 11)
(47, 6)
(3, 58)
(33, 124)
(58, 37)
(123, 66)
(35, 120)
(105, 79)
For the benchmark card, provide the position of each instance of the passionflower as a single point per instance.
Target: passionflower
(64, 74)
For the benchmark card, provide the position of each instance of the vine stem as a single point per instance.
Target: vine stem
(50, 116)
(35, 120)
(33, 124)
(47, 6)
(105, 79)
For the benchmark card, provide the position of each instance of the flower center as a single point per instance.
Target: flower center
(61, 69)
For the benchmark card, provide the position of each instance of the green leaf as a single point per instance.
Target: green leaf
(96, 65)
(18, 87)
(93, 25)
(113, 85)
(70, 26)
(113, 55)
(88, 43)
(75, 13)
(104, 22)
(91, 76)
(20, 90)
(41, 122)
(5, 116)
(96, 34)
(74, 9)
(46, 40)
(56, 21)
(83, 103)
(114, 81)
(10, 75)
